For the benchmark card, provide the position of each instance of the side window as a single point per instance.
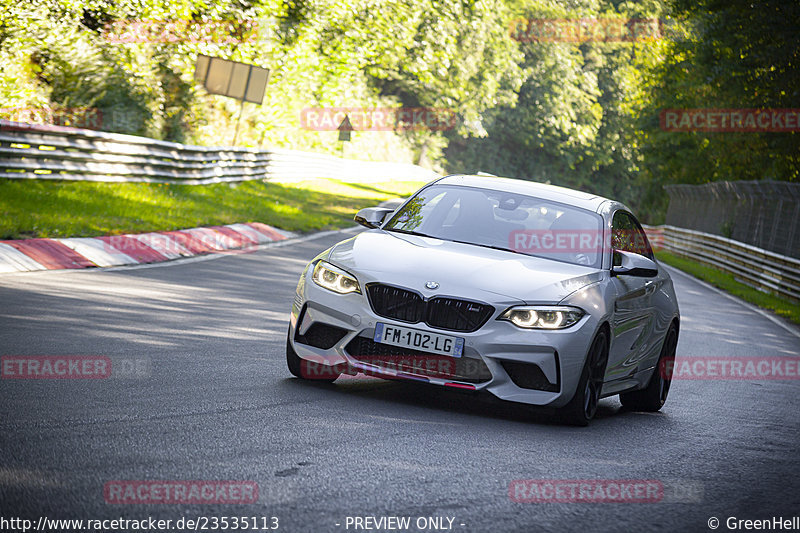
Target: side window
(628, 235)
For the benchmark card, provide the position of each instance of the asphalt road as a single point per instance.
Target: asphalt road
(207, 396)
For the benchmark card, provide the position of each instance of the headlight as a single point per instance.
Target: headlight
(542, 317)
(328, 276)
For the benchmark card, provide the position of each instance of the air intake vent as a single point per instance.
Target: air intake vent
(466, 369)
(323, 336)
(528, 376)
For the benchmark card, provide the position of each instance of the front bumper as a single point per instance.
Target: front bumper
(528, 366)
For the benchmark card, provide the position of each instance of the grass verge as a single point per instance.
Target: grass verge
(44, 208)
(780, 306)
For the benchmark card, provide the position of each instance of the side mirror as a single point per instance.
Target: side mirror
(631, 264)
(372, 217)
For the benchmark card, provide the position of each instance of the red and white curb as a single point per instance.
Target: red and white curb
(134, 249)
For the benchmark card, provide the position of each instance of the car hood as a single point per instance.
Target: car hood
(460, 269)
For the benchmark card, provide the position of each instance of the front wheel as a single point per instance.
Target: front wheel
(583, 406)
(652, 398)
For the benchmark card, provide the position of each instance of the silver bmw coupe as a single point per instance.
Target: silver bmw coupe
(537, 294)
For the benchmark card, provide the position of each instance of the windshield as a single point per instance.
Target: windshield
(507, 221)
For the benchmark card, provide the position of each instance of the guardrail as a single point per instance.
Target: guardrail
(749, 264)
(29, 151)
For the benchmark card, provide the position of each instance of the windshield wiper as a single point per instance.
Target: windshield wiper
(417, 233)
(492, 247)
(411, 232)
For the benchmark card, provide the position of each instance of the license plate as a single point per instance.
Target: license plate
(418, 340)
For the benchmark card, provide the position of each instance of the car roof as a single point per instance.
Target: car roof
(563, 195)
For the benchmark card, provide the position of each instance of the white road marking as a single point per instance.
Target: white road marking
(195, 259)
(751, 307)
(98, 252)
(275, 244)
(12, 260)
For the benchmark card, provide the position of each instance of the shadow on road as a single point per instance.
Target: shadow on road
(368, 394)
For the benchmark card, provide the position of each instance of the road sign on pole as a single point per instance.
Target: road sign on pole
(344, 129)
(241, 81)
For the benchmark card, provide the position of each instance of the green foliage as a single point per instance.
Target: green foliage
(358, 53)
(572, 124)
(579, 114)
(45, 208)
(733, 54)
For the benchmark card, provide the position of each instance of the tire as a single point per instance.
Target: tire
(652, 398)
(583, 405)
(296, 364)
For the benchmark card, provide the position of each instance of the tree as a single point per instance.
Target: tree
(732, 54)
